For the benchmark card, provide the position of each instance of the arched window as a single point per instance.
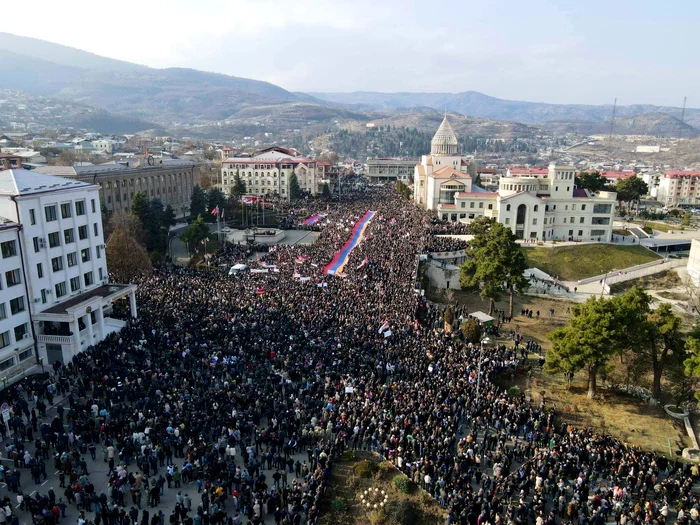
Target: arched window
(508, 207)
(537, 207)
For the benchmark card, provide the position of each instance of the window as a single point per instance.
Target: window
(581, 220)
(583, 207)
(82, 232)
(566, 208)
(32, 217)
(43, 296)
(20, 332)
(72, 259)
(65, 210)
(580, 233)
(61, 289)
(89, 280)
(3, 312)
(85, 255)
(50, 213)
(602, 208)
(573, 207)
(534, 222)
(508, 207)
(36, 244)
(507, 221)
(98, 252)
(12, 278)
(471, 204)
(69, 235)
(536, 208)
(573, 220)
(95, 229)
(92, 205)
(80, 207)
(101, 272)
(5, 341)
(57, 264)
(8, 249)
(481, 205)
(40, 270)
(597, 233)
(54, 240)
(463, 205)
(17, 305)
(23, 356)
(75, 284)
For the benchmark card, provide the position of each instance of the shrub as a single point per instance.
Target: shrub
(348, 455)
(514, 391)
(471, 330)
(365, 469)
(338, 506)
(401, 483)
(400, 512)
(156, 257)
(385, 467)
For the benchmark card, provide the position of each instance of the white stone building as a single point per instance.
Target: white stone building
(679, 188)
(62, 262)
(269, 172)
(16, 339)
(537, 204)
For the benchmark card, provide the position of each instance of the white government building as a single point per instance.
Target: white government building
(55, 294)
(537, 204)
(270, 170)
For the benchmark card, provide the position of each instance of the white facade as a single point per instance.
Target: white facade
(62, 247)
(16, 340)
(270, 171)
(537, 204)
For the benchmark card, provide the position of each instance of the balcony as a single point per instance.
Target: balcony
(55, 339)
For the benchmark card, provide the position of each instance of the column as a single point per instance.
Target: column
(88, 322)
(75, 328)
(100, 318)
(132, 303)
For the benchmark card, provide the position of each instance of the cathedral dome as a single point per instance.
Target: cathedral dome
(444, 142)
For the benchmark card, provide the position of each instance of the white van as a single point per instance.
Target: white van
(237, 268)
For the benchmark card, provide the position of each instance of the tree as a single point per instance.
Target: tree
(449, 319)
(494, 263)
(126, 258)
(687, 217)
(591, 181)
(326, 193)
(66, 158)
(586, 342)
(294, 189)
(691, 366)
(198, 202)
(126, 221)
(169, 217)
(471, 330)
(631, 189)
(141, 208)
(196, 233)
(238, 189)
(330, 157)
(665, 343)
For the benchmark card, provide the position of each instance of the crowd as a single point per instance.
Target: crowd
(233, 393)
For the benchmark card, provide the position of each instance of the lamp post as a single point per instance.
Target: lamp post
(605, 279)
(485, 340)
(41, 362)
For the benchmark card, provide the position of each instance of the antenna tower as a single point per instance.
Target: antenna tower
(612, 120)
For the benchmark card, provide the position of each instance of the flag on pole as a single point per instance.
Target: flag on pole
(215, 211)
(384, 326)
(363, 263)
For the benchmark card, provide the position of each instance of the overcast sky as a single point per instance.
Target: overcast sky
(558, 51)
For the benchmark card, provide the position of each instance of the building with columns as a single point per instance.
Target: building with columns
(60, 250)
(537, 204)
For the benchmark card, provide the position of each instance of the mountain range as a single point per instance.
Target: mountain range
(137, 97)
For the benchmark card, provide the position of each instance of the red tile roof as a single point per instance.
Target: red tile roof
(675, 174)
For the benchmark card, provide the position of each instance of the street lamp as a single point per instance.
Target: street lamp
(605, 279)
(485, 340)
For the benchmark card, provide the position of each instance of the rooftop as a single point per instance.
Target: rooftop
(675, 174)
(25, 182)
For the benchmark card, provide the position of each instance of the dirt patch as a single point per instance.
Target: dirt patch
(659, 281)
(344, 506)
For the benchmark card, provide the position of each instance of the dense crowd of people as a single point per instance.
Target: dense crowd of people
(240, 392)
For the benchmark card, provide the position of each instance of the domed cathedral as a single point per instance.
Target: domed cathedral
(442, 174)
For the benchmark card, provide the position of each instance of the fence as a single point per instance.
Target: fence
(657, 266)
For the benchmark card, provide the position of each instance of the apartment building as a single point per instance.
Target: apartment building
(390, 169)
(59, 258)
(170, 180)
(679, 188)
(269, 172)
(10, 162)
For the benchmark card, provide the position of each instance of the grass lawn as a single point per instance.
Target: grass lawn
(663, 227)
(571, 263)
(622, 232)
